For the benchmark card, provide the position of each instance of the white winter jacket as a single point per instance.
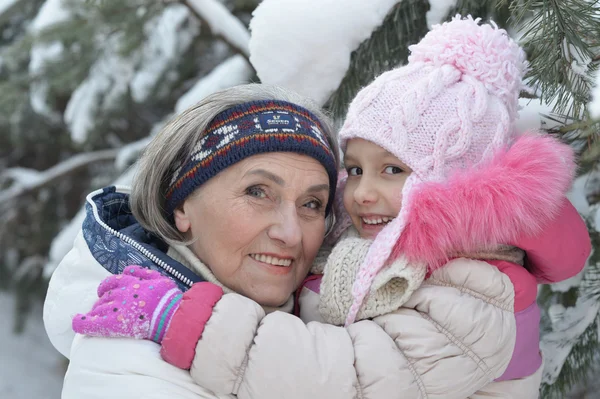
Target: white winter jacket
(430, 348)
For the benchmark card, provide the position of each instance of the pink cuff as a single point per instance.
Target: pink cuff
(186, 328)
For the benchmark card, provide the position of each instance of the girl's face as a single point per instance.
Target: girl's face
(373, 192)
(259, 224)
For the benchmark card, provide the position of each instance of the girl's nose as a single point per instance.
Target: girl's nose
(365, 192)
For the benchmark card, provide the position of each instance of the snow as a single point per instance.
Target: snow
(569, 283)
(51, 12)
(6, 4)
(107, 82)
(223, 23)
(129, 153)
(531, 115)
(581, 67)
(594, 105)
(296, 47)
(40, 55)
(596, 216)
(556, 312)
(169, 37)
(233, 71)
(577, 195)
(567, 328)
(112, 75)
(46, 177)
(30, 367)
(23, 176)
(438, 11)
(38, 93)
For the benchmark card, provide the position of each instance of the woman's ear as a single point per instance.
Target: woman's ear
(182, 219)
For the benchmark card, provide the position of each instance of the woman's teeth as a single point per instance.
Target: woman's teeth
(378, 220)
(271, 260)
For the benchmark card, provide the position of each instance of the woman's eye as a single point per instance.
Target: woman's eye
(256, 192)
(354, 171)
(393, 170)
(315, 204)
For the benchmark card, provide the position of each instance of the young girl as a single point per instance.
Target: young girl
(442, 183)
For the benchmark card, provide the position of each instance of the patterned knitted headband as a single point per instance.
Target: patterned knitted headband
(248, 129)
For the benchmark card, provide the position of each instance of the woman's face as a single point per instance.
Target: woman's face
(259, 224)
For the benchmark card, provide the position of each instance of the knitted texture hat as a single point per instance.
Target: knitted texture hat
(248, 129)
(450, 108)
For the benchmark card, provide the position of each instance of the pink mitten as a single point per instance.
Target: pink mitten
(138, 304)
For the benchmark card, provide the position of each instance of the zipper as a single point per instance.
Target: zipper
(137, 245)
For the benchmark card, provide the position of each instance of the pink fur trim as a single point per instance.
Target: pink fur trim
(515, 194)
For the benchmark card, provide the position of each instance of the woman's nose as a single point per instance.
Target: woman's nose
(365, 192)
(287, 230)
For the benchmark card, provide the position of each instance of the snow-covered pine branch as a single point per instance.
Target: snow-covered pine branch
(221, 23)
(7, 7)
(27, 180)
(233, 71)
(594, 105)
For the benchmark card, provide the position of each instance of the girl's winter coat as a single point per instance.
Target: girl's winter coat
(464, 333)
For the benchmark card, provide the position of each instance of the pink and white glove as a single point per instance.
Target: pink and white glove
(143, 304)
(138, 304)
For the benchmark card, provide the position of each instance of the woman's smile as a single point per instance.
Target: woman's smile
(273, 264)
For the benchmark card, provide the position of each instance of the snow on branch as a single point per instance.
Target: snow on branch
(309, 51)
(28, 180)
(6, 6)
(222, 23)
(569, 325)
(594, 105)
(233, 71)
(52, 12)
(130, 152)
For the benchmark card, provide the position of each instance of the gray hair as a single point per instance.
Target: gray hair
(172, 146)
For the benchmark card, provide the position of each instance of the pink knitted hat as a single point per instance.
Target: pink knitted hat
(452, 107)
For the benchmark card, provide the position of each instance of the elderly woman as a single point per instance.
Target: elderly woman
(236, 192)
(242, 182)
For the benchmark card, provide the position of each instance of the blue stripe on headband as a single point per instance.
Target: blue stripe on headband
(248, 129)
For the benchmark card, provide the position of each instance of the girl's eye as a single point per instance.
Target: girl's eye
(393, 170)
(354, 171)
(256, 192)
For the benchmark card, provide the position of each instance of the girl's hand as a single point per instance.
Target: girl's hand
(138, 304)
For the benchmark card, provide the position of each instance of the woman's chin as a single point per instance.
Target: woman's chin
(273, 301)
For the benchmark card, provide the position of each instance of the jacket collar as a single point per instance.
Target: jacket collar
(117, 240)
